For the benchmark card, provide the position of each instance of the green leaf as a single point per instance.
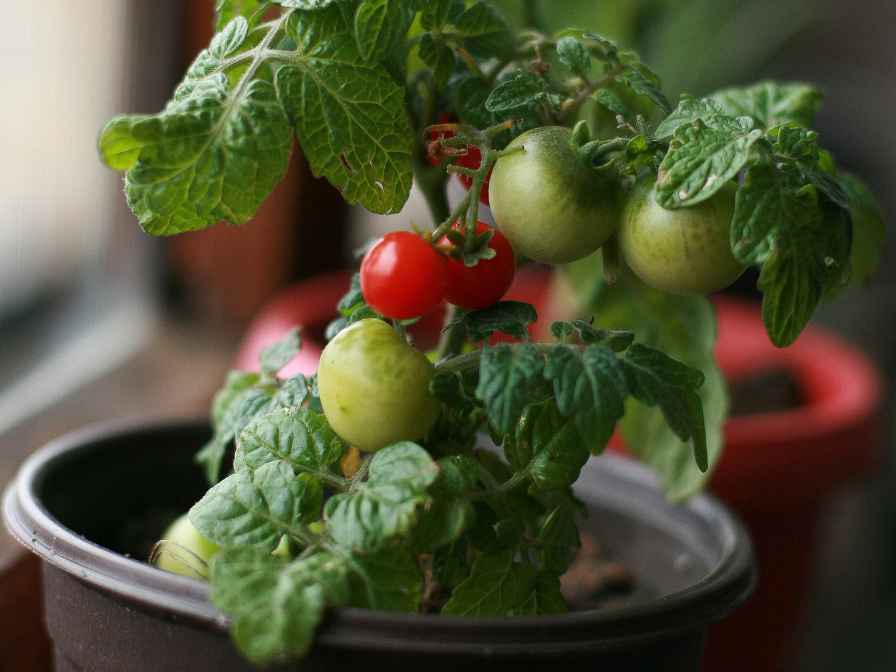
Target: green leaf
(497, 586)
(611, 100)
(349, 115)
(797, 151)
(545, 597)
(771, 104)
(214, 153)
(643, 81)
(276, 606)
(508, 377)
(523, 89)
(438, 56)
(810, 259)
(556, 446)
(656, 379)
(700, 161)
(487, 33)
(590, 385)
(380, 25)
(869, 230)
(227, 10)
(507, 317)
(437, 14)
(449, 564)
(451, 512)
(389, 580)
(683, 327)
(558, 536)
(122, 140)
(300, 438)
(235, 388)
(615, 339)
(688, 111)
(802, 245)
(467, 94)
(276, 356)
(388, 504)
(352, 307)
(574, 55)
(308, 4)
(243, 397)
(762, 204)
(292, 393)
(257, 508)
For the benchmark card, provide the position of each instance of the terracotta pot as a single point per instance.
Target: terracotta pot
(86, 506)
(779, 469)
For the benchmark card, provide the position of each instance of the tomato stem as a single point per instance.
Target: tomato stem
(453, 336)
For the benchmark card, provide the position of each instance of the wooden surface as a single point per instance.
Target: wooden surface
(175, 376)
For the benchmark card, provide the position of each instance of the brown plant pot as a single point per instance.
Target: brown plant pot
(85, 501)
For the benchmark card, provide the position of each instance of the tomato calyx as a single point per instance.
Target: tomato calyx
(480, 268)
(458, 244)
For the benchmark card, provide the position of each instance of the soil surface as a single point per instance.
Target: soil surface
(769, 391)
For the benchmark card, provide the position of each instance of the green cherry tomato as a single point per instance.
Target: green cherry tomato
(374, 387)
(549, 203)
(684, 251)
(184, 551)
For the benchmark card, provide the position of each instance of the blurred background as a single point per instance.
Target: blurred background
(99, 321)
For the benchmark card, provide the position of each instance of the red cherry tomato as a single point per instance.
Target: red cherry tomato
(402, 276)
(472, 159)
(484, 284)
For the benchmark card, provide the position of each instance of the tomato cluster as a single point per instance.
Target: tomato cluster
(550, 206)
(554, 208)
(404, 276)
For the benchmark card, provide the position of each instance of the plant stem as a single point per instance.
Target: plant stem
(456, 215)
(361, 474)
(452, 341)
(509, 485)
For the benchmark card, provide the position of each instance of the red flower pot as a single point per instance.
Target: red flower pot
(778, 471)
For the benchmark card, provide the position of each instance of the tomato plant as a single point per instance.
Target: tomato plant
(552, 206)
(480, 286)
(710, 186)
(402, 276)
(374, 387)
(680, 251)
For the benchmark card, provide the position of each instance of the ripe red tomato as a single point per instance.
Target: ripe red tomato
(402, 276)
(484, 284)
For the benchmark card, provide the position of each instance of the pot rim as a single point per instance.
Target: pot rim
(718, 593)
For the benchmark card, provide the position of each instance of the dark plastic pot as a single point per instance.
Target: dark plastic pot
(779, 470)
(87, 500)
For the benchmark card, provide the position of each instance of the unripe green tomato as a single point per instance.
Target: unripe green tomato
(549, 203)
(184, 550)
(684, 251)
(374, 387)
